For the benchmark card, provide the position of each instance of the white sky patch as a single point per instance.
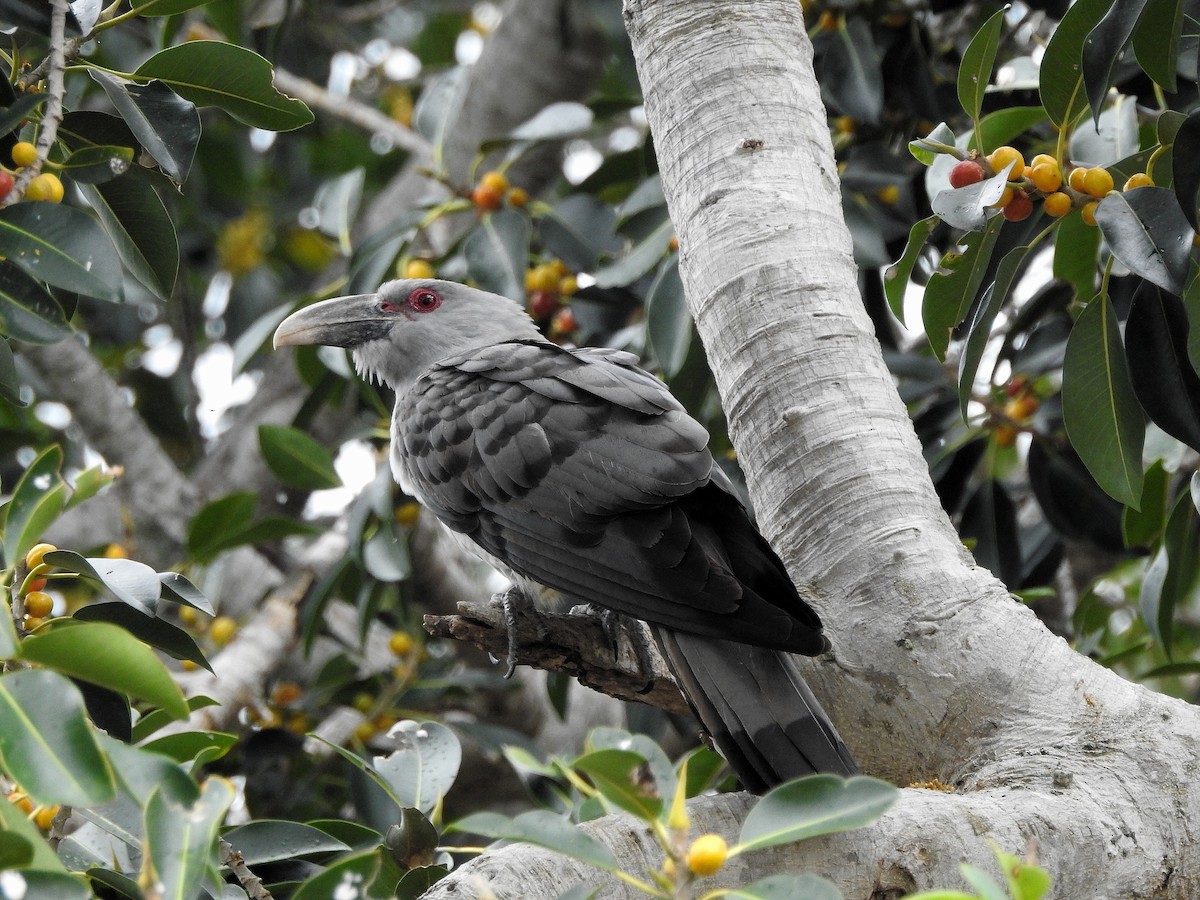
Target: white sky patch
(53, 415)
(261, 140)
(356, 465)
(343, 68)
(581, 160)
(401, 65)
(216, 296)
(468, 47)
(218, 389)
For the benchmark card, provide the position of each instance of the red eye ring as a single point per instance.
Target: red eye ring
(424, 300)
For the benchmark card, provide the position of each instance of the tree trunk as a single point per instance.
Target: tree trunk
(937, 672)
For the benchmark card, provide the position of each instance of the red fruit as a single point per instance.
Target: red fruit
(542, 304)
(966, 172)
(564, 322)
(1019, 207)
(6, 184)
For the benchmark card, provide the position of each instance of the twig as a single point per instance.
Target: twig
(57, 63)
(573, 644)
(251, 883)
(351, 110)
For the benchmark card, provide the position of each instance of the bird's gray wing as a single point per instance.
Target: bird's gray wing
(582, 472)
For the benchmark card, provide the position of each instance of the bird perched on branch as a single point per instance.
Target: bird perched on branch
(576, 470)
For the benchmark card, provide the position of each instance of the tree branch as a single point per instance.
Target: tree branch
(55, 65)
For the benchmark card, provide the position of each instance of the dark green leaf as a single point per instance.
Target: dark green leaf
(16, 851)
(229, 522)
(42, 885)
(990, 519)
(94, 165)
(109, 656)
(198, 747)
(166, 125)
(28, 312)
(650, 244)
(1105, 46)
(62, 246)
(296, 459)
(438, 105)
(896, 276)
(46, 742)
(1100, 411)
(941, 140)
(1164, 381)
(1147, 231)
(359, 869)
(1185, 166)
(180, 840)
(1142, 527)
(952, 288)
(851, 80)
(141, 772)
(497, 251)
(1060, 75)
(815, 805)
(975, 70)
(156, 719)
(1156, 41)
(668, 322)
(580, 230)
(13, 821)
(1070, 498)
(212, 73)
(981, 324)
(272, 840)
(1171, 576)
(134, 216)
(10, 382)
(1003, 125)
(15, 113)
(337, 203)
(385, 555)
(543, 828)
(158, 633)
(165, 7)
(373, 258)
(419, 880)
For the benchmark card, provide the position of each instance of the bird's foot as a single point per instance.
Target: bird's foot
(612, 623)
(515, 602)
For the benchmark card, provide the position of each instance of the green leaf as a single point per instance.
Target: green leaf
(940, 140)
(42, 885)
(141, 772)
(657, 764)
(424, 767)
(165, 7)
(851, 78)
(90, 482)
(133, 215)
(36, 501)
(668, 322)
(47, 743)
(1101, 413)
(14, 822)
(975, 70)
(1185, 168)
(1141, 528)
(28, 312)
(296, 459)
(109, 656)
(181, 840)
(228, 522)
(1171, 576)
(814, 805)
(580, 230)
(1060, 76)
(157, 719)
(158, 633)
(651, 242)
(359, 869)
(1104, 46)
(274, 840)
(166, 125)
(197, 747)
(1164, 381)
(496, 252)
(437, 107)
(133, 582)
(1004, 125)
(337, 203)
(16, 851)
(212, 73)
(10, 382)
(1147, 231)
(16, 112)
(788, 887)
(952, 288)
(985, 315)
(178, 589)
(615, 774)
(10, 646)
(95, 164)
(543, 828)
(62, 246)
(982, 882)
(1076, 247)
(1156, 41)
(373, 258)
(1025, 881)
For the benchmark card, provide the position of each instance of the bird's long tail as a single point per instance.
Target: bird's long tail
(756, 707)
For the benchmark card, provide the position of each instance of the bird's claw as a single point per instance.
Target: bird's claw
(513, 601)
(611, 623)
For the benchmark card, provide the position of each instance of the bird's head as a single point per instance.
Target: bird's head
(401, 330)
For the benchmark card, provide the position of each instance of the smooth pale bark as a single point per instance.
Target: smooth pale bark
(936, 673)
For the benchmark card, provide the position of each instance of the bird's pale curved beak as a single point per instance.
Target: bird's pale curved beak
(340, 322)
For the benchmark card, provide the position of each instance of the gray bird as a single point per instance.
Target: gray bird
(576, 470)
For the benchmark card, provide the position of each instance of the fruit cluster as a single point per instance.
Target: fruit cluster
(1082, 189)
(1021, 403)
(493, 189)
(38, 604)
(45, 186)
(548, 285)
